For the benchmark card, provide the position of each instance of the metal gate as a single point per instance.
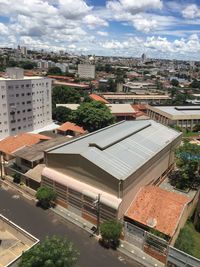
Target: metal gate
(134, 235)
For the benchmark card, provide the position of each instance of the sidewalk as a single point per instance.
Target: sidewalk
(125, 247)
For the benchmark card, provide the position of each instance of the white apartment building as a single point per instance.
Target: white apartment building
(25, 102)
(86, 71)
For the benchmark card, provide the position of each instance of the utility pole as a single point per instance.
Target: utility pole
(97, 202)
(1, 163)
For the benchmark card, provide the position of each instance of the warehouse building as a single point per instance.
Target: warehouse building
(112, 164)
(185, 117)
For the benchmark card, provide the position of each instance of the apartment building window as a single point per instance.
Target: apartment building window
(22, 86)
(19, 120)
(24, 119)
(29, 109)
(22, 94)
(16, 87)
(19, 128)
(28, 102)
(18, 112)
(27, 85)
(28, 93)
(13, 129)
(24, 111)
(23, 103)
(10, 87)
(3, 96)
(17, 95)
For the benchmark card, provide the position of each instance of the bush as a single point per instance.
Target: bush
(16, 178)
(110, 232)
(185, 241)
(45, 196)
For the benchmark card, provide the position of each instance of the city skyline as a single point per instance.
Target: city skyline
(161, 29)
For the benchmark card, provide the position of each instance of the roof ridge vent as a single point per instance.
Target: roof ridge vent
(120, 136)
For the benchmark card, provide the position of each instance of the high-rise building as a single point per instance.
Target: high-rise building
(24, 50)
(25, 102)
(143, 58)
(86, 71)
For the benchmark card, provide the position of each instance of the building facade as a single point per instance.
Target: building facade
(185, 117)
(25, 103)
(86, 71)
(113, 163)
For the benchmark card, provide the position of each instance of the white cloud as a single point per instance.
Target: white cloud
(74, 9)
(192, 11)
(94, 21)
(101, 33)
(134, 7)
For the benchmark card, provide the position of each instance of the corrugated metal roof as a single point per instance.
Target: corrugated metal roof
(122, 148)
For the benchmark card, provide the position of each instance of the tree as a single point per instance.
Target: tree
(188, 163)
(45, 196)
(195, 84)
(16, 178)
(52, 252)
(174, 82)
(54, 70)
(61, 114)
(110, 232)
(93, 116)
(64, 94)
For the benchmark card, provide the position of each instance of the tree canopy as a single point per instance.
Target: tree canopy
(64, 94)
(54, 70)
(45, 195)
(52, 252)
(61, 114)
(93, 116)
(188, 163)
(174, 82)
(110, 231)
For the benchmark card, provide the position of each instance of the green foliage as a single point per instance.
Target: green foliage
(54, 70)
(16, 178)
(27, 65)
(185, 241)
(93, 116)
(195, 84)
(196, 128)
(157, 233)
(188, 162)
(174, 82)
(45, 195)
(64, 95)
(52, 252)
(110, 231)
(61, 114)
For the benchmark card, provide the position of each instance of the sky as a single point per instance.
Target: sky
(158, 28)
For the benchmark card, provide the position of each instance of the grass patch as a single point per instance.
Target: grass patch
(189, 240)
(190, 134)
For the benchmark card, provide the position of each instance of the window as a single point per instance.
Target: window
(13, 129)
(28, 102)
(17, 95)
(22, 94)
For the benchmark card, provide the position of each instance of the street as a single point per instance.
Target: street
(42, 223)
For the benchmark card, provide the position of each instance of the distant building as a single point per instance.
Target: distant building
(114, 162)
(25, 102)
(139, 87)
(135, 99)
(143, 58)
(24, 50)
(185, 117)
(86, 71)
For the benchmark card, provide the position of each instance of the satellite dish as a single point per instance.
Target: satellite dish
(152, 222)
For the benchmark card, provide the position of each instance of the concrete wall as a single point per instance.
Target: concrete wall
(83, 170)
(147, 174)
(188, 210)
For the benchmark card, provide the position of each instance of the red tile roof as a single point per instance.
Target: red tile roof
(98, 98)
(13, 143)
(153, 205)
(72, 127)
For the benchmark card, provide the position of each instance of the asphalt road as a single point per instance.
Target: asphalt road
(42, 223)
